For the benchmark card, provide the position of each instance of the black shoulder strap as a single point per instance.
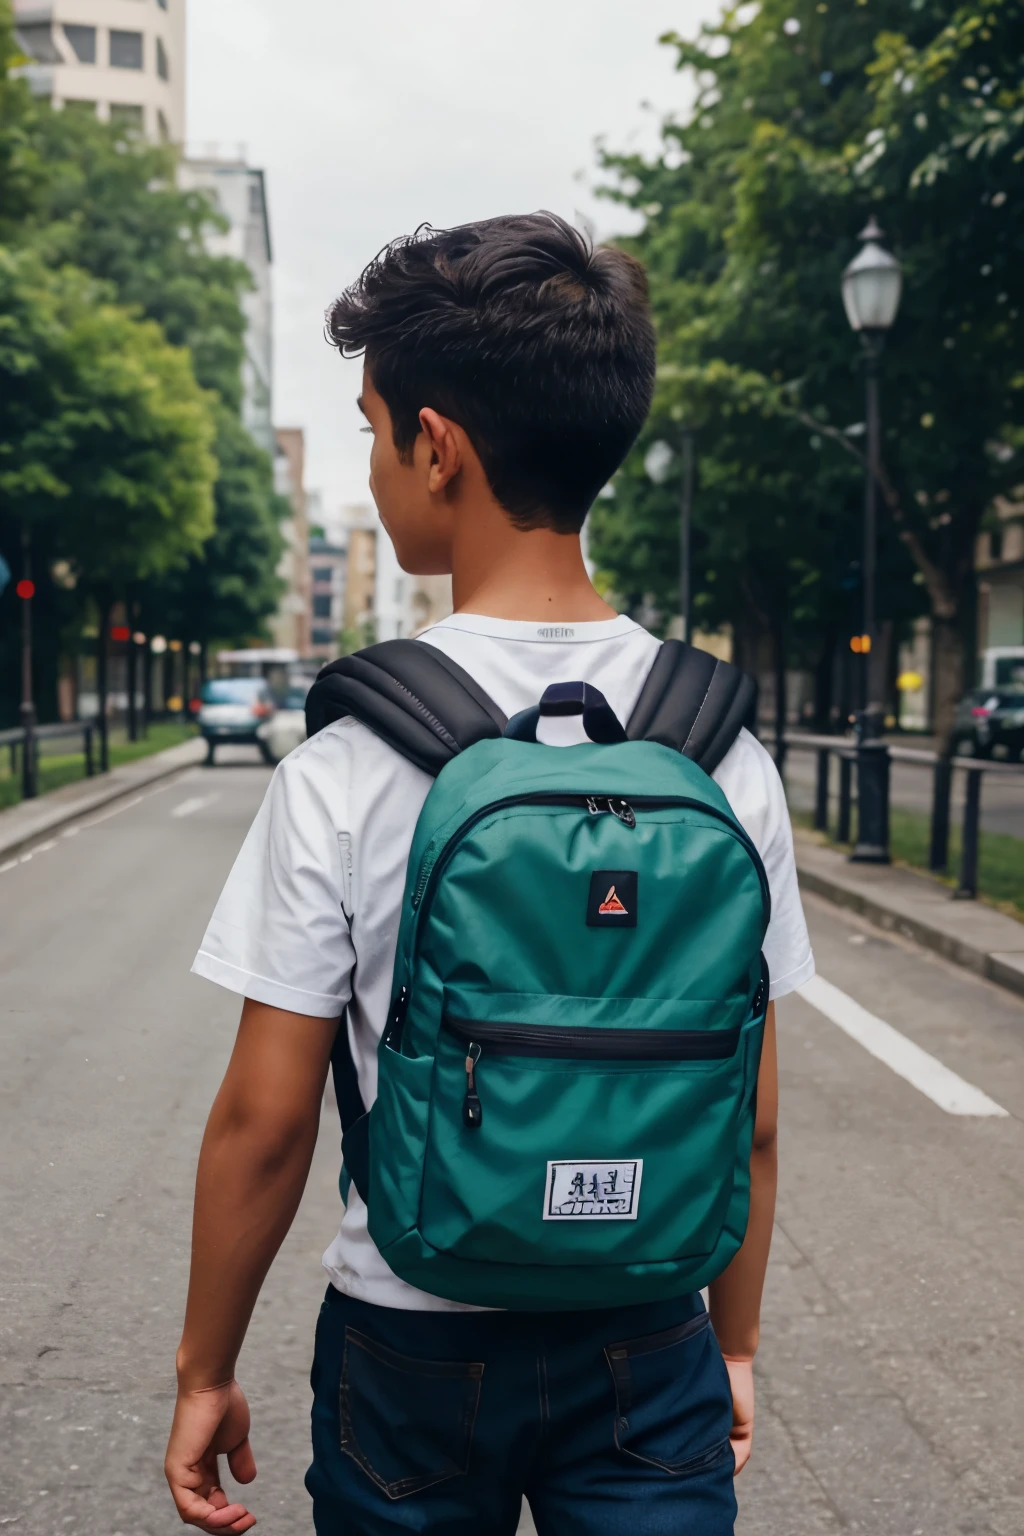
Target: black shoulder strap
(693, 703)
(411, 695)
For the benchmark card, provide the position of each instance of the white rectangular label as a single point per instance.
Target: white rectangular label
(592, 1191)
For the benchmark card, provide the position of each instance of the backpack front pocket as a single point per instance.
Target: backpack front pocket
(580, 1143)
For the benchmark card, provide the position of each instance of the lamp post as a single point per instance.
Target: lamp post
(26, 591)
(657, 463)
(872, 284)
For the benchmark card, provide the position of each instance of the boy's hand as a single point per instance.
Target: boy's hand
(207, 1424)
(741, 1380)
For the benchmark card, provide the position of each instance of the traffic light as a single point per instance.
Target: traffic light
(860, 645)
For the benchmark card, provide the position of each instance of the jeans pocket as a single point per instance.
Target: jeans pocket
(673, 1403)
(407, 1422)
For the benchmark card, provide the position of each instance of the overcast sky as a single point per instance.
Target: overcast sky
(371, 118)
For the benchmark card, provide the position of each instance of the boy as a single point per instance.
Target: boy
(508, 370)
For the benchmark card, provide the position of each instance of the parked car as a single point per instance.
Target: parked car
(236, 710)
(990, 722)
(1006, 725)
(288, 726)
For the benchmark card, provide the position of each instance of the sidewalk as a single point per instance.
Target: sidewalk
(32, 819)
(969, 933)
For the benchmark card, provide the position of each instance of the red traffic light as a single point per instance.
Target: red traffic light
(120, 632)
(26, 589)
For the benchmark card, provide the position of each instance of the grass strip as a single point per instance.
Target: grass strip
(1000, 856)
(56, 770)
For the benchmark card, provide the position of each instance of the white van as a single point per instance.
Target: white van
(1002, 666)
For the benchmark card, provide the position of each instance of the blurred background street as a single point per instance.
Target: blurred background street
(891, 1374)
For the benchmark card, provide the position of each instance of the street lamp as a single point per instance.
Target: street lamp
(872, 284)
(657, 463)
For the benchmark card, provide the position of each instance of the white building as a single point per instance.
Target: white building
(406, 605)
(239, 193)
(122, 59)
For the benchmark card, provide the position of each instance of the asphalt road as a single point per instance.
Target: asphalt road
(891, 1377)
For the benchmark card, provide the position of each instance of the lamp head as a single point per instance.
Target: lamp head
(872, 284)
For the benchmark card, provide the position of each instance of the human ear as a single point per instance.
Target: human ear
(445, 450)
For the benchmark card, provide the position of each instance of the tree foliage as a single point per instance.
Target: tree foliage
(807, 119)
(121, 348)
(106, 436)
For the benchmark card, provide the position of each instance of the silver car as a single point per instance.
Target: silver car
(236, 711)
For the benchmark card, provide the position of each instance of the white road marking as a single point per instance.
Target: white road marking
(925, 1072)
(124, 805)
(195, 803)
(94, 821)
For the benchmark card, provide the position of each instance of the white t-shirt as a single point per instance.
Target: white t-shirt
(308, 919)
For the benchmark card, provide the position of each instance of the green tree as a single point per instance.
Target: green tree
(105, 436)
(106, 200)
(227, 593)
(807, 119)
(98, 198)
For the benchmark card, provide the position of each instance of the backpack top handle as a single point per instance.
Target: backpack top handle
(600, 721)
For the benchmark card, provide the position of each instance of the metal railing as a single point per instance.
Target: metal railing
(845, 748)
(28, 744)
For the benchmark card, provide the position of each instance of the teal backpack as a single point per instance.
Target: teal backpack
(566, 1081)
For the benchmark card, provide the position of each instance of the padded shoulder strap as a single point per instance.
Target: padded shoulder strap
(412, 696)
(693, 703)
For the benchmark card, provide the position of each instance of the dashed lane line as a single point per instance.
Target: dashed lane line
(83, 826)
(925, 1072)
(194, 803)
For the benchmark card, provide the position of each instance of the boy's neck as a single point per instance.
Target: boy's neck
(504, 573)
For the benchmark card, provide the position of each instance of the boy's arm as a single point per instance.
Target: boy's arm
(736, 1294)
(253, 1167)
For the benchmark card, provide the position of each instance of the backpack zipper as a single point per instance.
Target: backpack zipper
(623, 810)
(581, 1043)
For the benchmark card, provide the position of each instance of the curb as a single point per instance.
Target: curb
(121, 782)
(1006, 970)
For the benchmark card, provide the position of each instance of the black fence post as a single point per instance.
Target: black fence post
(89, 765)
(845, 797)
(872, 845)
(967, 890)
(821, 791)
(938, 851)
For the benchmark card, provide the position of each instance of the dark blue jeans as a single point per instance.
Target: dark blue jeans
(609, 1422)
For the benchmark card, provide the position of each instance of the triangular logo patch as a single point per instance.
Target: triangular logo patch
(612, 899)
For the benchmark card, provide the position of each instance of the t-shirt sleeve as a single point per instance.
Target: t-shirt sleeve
(751, 783)
(279, 933)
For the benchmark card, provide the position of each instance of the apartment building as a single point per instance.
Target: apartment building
(999, 562)
(239, 193)
(290, 626)
(406, 605)
(327, 569)
(122, 59)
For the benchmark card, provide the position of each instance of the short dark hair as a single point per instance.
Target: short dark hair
(538, 345)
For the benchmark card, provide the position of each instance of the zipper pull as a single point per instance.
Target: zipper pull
(396, 1020)
(472, 1109)
(601, 805)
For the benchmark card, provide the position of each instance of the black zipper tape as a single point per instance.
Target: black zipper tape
(583, 1043)
(624, 811)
